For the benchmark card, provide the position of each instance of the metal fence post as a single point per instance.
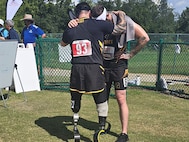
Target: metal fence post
(40, 61)
(158, 82)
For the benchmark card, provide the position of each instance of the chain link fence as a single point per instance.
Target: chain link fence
(163, 64)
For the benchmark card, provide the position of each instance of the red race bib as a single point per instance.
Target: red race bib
(81, 48)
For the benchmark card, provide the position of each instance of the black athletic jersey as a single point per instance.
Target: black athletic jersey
(109, 51)
(86, 40)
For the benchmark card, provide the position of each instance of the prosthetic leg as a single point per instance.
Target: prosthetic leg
(75, 106)
(75, 130)
(102, 129)
(102, 109)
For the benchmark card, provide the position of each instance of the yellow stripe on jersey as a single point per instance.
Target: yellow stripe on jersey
(125, 73)
(101, 45)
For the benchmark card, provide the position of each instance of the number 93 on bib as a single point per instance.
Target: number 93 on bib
(81, 48)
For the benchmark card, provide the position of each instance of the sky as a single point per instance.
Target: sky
(178, 5)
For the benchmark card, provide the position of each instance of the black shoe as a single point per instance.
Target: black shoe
(122, 138)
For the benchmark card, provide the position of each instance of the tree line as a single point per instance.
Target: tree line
(53, 18)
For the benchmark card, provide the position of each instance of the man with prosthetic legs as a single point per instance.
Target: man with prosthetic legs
(87, 72)
(102, 109)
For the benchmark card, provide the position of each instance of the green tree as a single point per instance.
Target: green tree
(3, 9)
(108, 4)
(166, 21)
(151, 17)
(53, 17)
(142, 12)
(183, 22)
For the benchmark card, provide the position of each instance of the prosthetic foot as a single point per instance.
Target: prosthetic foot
(103, 129)
(76, 132)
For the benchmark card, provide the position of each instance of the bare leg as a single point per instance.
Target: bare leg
(123, 109)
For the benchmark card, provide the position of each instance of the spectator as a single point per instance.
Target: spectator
(3, 31)
(13, 34)
(30, 32)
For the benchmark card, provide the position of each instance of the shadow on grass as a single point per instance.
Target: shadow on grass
(57, 126)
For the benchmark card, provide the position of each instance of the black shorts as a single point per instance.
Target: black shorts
(87, 78)
(118, 76)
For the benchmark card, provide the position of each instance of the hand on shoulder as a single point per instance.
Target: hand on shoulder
(73, 23)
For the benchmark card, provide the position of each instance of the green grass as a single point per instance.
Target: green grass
(147, 62)
(46, 117)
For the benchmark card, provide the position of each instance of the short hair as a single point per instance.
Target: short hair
(81, 6)
(97, 11)
(10, 23)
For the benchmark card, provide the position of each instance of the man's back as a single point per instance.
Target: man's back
(93, 31)
(13, 34)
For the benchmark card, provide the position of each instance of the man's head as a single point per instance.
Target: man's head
(28, 19)
(9, 24)
(109, 16)
(99, 12)
(82, 10)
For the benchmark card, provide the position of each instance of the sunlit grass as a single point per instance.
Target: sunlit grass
(47, 117)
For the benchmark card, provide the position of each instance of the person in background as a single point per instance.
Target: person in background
(3, 32)
(13, 34)
(116, 59)
(31, 32)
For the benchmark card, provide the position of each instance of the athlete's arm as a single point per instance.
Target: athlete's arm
(142, 39)
(106, 26)
(63, 43)
(120, 27)
(73, 23)
(64, 40)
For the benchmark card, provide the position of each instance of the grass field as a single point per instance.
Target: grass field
(46, 117)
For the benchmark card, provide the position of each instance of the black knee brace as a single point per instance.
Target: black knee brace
(75, 105)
